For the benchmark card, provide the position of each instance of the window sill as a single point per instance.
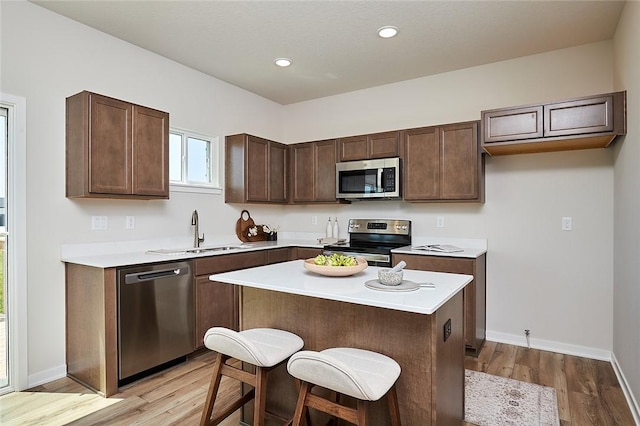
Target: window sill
(174, 187)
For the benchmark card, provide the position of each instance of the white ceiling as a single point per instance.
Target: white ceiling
(334, 45)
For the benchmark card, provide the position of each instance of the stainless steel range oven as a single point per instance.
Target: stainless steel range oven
(373, 239)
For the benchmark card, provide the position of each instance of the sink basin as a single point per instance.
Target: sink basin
(196, 250)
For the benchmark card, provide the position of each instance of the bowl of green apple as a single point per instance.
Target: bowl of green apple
(335, 265)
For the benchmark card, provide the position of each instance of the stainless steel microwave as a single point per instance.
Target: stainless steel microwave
(364, 179)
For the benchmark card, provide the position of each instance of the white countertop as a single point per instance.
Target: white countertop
(291, 277)
(136, 254)
(472, 253)
(116, 254)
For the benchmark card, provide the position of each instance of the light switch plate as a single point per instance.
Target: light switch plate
(130, 222)
(99, 223)
(567, 224)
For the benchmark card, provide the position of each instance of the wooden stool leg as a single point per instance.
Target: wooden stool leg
(362, 413)
(394, 410)
(260, 400)
(213, 390)
(301, 405)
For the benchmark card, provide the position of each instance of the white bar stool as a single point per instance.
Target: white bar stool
(265, 348)
(364, 375)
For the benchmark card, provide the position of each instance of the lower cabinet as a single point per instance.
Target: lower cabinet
(474, 294)
(91, 310)
(217, 303)
(305, 253)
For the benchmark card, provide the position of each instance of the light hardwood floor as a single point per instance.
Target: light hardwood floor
(588, 392)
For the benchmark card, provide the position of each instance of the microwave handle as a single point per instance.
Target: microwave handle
(379, 187)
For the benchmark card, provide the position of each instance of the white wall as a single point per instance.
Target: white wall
(557, 284)
(626, 291)
(46, 58)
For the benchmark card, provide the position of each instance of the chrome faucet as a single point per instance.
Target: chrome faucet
(196, 235)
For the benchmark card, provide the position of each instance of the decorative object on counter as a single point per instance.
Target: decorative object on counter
(405, 285)
(392, 276)
(441, 248)
(336, 228)
(247, 230)
(271, 232)
(329, 229)
(335, 271)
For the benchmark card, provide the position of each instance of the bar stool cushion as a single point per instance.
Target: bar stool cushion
(264, 347)
(355, 372)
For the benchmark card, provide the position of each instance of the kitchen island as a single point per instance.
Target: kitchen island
(421, 329)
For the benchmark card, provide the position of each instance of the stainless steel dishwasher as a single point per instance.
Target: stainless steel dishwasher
(155, 317)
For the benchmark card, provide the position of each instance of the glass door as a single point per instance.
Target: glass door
(4, 347)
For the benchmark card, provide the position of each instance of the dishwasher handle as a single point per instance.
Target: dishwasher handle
(140, 277)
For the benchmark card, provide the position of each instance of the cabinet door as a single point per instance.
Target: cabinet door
(109, 146)
(278, 255)
(593, 115)
(257, 169)
(216, 306)
(512, 124)
(455, 266)
(324, 184)
(384, 145)
(306, 252)
(277, 172)
(302, 158)
(150, 152)
(460, 162)
(421, 164)
(353, 148)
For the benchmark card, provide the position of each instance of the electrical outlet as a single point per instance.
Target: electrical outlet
(567, 224)
(440, 221)
(99, 223)
(314, 220)
(130, 222)
(447, 329)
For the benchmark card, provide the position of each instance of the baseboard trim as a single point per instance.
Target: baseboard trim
(47, 376)
(550, 345)
(631, 400)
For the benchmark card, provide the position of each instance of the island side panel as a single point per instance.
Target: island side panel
(449, 362)
(404, 336)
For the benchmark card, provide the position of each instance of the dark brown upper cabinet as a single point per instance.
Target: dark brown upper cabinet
(313, 172)
(255, 170)
(443, 163)
(580, 123)
(115, 149)
(364, 147)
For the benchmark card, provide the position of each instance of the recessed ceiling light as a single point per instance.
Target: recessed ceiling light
(283, 62)
(387, 32)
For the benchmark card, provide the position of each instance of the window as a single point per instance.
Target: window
(193, 162)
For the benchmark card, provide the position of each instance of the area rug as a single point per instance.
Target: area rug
(495, 401)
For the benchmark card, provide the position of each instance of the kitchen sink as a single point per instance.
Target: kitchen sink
(207, 249)
(197, 250)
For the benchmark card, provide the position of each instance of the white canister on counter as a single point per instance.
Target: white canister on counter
(329, 228)
(336, 229)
